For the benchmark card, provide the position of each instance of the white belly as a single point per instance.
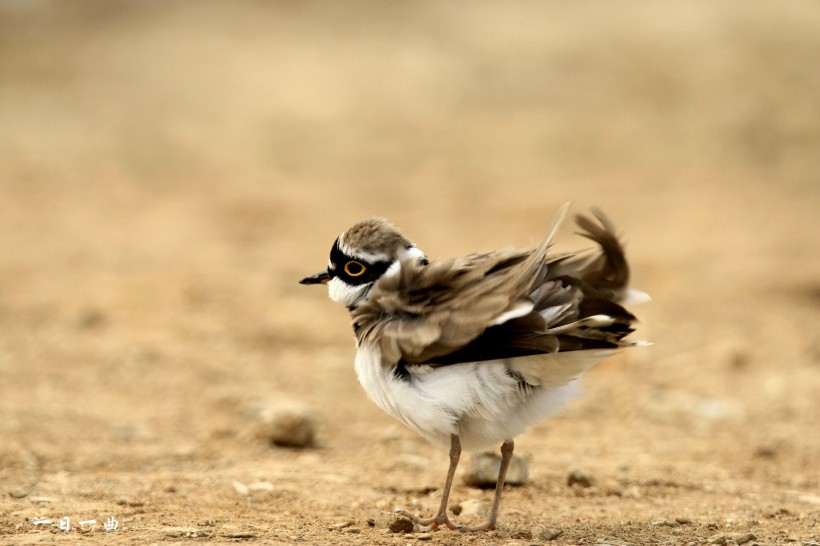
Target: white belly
(481, 402)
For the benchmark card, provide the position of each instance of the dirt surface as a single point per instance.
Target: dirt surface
(169, 171)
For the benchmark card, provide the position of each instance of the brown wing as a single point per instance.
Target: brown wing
(503, 304)
(427, 311)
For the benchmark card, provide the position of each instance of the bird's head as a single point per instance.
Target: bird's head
(362, 255)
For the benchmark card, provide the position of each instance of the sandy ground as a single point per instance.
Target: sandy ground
(168, 172)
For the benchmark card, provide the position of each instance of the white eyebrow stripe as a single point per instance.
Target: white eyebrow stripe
(370, 257)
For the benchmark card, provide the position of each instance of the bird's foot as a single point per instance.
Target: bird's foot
(442, 519)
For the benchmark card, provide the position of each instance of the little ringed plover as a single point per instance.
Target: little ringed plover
(470, 351)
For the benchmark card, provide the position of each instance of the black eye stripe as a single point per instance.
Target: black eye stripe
(338, 259)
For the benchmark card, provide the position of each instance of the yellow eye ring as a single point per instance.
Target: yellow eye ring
(354, 268)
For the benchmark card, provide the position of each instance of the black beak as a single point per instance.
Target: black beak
(321, 277)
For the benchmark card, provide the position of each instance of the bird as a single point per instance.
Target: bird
(470, 351)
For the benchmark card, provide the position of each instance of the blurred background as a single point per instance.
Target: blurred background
(168, 171)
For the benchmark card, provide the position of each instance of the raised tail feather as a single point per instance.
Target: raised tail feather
(581, 298)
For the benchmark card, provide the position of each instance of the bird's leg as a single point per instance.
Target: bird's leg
(441, 517)
(506, 456)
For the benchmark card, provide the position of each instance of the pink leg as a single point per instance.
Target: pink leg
(441, 517)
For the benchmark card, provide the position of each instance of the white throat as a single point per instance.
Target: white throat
(346, 294)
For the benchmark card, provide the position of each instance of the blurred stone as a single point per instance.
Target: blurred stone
(543, 533)
(400, 524)
(612, 488)
(89, 318)
(810, 499)
(581, 477)
(240, 488)
(284, 422)
(260, 486)
(483, 470)
(768, 451)
(473, 508)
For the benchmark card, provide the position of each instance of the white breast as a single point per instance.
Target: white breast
(481, 402)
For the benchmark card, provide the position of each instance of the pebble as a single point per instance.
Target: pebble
(482, 471)
(581, 477)
(612, 488)
(809, 499)
(543, 533)
(473, 508)
(260, 486)
(400, 525)
(89, 318)
(774, 512)
(743, 539)
(666, 523)
(240, 488)
(18, 493)
(284, 422)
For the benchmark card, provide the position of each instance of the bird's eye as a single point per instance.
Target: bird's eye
(354, 268)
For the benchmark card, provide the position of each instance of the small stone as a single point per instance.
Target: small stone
(424, 536)
(774, 512)
(89, 318)
(483, 470)
(130, 502)
(340, 525)
(284, 422)
(240, 535)
(353, 530)
(612, 488)
(543, 533)
(260, 486)
(18, 493)
(809, 499)
(720, 540)
(371, 522)
(473, 508)
(240, 488)
(581, 478)
(743, 539)
(683, 520)
(766, 452)
(666, 523)
(400, 524)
